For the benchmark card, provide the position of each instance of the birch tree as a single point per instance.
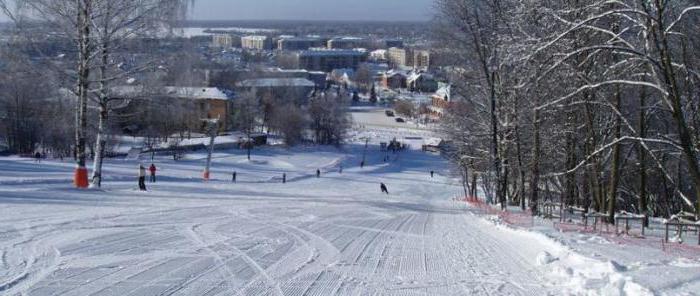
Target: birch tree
(618, 75)
(96, 28)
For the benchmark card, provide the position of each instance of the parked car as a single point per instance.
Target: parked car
(389, 113)
(399, 119)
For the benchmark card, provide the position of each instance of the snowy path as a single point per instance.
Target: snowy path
(335, 235)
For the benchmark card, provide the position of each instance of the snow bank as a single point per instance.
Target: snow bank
(577, 274)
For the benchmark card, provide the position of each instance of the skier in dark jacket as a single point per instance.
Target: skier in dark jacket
(233, 177)
(152, 169)
(383, 188)
(284, 178)
(318, 173)
(142, 178)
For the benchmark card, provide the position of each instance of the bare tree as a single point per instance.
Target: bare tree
(95, 27)
(329, 118)
(246, 116)
(291, 122)
(618, 75)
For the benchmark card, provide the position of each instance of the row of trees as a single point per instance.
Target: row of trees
(591, 103)
(323, 119)
(24, 119)
(98, 31)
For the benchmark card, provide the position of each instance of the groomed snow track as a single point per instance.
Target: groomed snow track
(335, 235)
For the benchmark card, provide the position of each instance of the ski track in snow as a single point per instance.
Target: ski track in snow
(335, 235)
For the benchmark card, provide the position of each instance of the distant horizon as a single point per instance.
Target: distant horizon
(309, 10)
(190, 21)
(308, 20)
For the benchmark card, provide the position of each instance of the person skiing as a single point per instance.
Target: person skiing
(432, 173)
(152, 169)
(341, 169)
(142, 178)
(37, 157)
(318, 173)
(382, 186)
(284, 178)
(362, 164)
(233, 177)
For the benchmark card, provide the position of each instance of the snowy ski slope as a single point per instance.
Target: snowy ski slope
(334, 235)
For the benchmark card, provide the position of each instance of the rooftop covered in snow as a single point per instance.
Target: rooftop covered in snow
(277, 82)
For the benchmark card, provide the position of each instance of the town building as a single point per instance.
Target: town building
(222, 41)
(206, 102)
(394, 79)
(294, 90)
(378, 55)
(422, 82)
(399, 57)
(256, 42)
(298, 43)
(343, 77)
(328, 59)
(442, 99)
(393, 43)
(347, 43)
(377, 71)
(319, 78)
(421, 59)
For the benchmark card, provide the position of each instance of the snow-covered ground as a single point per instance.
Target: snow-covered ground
(333, 235)
(374, 117)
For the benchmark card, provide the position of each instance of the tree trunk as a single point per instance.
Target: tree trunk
(83, 84)
(494, 142)
(591, 143)
(100, 146)
(669, 77)
(535, 173)
(103, 116)
(615, 174)
(570, 164)
(465, 180)
(642, 159)
(474, 193)
(521, 168)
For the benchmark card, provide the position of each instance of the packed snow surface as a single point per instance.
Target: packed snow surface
(333, 235)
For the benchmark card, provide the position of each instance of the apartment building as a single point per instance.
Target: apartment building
(328, 59)
(298, 43)
(222, 40)
(256, 42)
(347, 43)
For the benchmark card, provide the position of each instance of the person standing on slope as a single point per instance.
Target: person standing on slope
(318, 173)
(142, 178)
(152, 169)
(382, 186)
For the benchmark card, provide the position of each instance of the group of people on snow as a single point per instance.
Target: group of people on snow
(142, 175)
(152, 170)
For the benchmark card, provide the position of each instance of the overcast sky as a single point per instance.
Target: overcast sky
(390, 10)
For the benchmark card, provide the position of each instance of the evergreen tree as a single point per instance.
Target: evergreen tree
(373, 95)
